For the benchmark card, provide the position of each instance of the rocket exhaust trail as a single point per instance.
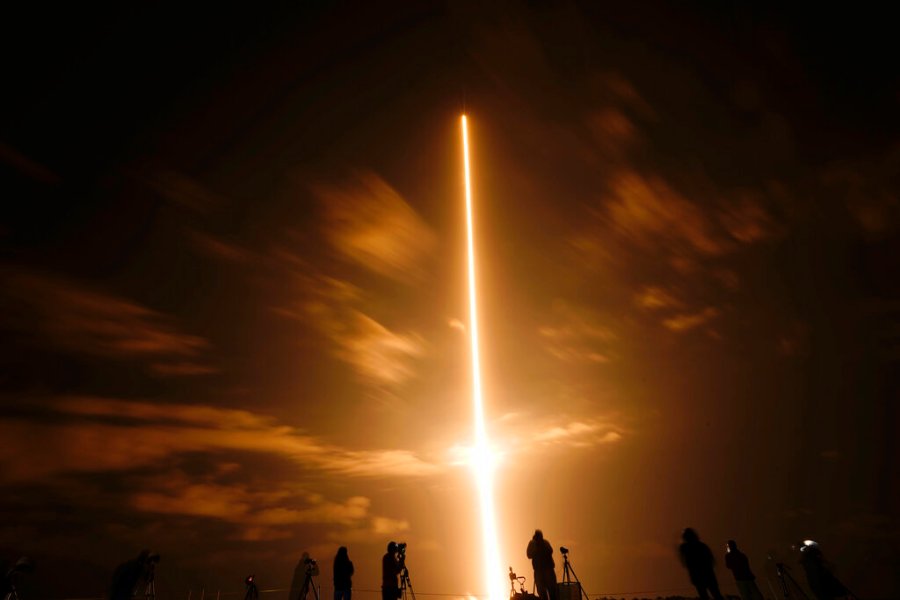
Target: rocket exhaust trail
(483, 458)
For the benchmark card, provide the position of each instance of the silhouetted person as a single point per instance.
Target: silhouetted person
(9, 575)
(821, 580)
(343, 572)
(390, 571)
(299, 582)
(739, 565)
(130, 574)
(698, 558)
(541, 554)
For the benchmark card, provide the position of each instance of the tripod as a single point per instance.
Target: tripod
(252, 590)
(8, 581)
(569, 574)
(145, 588)
(406, 585)
(308, 583)
(787, 581)
(149, 591)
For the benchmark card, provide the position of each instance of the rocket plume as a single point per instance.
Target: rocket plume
(483, 457)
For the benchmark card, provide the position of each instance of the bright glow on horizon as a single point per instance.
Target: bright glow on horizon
(482, 457)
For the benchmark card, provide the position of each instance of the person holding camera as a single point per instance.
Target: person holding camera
(541, 554)
(391, 567)
(343, 571)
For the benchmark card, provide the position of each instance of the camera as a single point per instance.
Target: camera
(249, 580)
(309, 561)
(563, 549)
(401, 548)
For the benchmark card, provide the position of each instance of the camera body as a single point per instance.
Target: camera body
(250, 580)
(312, 567)
(563, 550)
(401, 548)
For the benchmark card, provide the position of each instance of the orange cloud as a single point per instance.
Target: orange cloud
(577, 335)
(378, 354)
(746, 220)
(524, 434)
(259, 515)
(371, 224)
(181, 190)
(115, 435)
(688, 321)
(220, 249)
(72, 317)
(656, 298)
(647, 210)
(175, 369)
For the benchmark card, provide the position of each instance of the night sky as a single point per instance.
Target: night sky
(233, 302)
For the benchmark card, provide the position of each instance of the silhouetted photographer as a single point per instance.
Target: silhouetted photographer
(698, 559)
(392, 565)
(541, 554)
(135, 577)
(822, 582)
(11, 575)
(739, 565)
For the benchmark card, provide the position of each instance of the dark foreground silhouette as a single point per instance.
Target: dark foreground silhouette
(133, 577)
(739, 565)
(698, 559)
(541, 554)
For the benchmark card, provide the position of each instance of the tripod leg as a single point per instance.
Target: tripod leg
(304, 591)
(412, 592)
(569, 568)
(797, 586)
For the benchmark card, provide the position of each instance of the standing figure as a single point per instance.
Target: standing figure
(739, 564)
(541, 554)
(698, 559)
(132, 575)
(821, 580)
(390, 570)
(343, 571)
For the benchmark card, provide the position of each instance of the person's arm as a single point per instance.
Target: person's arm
(529, 552)
(350, 569)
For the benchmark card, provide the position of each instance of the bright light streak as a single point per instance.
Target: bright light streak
(483, 458)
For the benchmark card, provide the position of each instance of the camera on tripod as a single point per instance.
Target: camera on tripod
(252, 590)
(401, 548)
(563, 550)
